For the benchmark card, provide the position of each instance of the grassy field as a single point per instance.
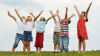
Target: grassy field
(50, 53)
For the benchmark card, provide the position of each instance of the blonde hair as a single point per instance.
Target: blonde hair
(27, 20)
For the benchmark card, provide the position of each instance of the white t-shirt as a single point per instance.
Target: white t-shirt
(20, 27)
(29, 26)
(57, 26)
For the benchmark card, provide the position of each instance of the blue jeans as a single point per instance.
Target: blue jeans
(64, 42)
(17, 39)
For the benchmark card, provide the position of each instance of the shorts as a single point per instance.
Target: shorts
(27, 36)
(56, 38)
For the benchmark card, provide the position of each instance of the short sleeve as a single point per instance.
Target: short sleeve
(33, 22)
(23, 20)
(45, 22)
(37, 21)
(17, 21)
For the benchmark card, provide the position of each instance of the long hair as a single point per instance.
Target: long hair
(27, 20)
(84, 15)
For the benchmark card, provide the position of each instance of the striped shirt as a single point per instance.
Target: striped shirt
(64, 30)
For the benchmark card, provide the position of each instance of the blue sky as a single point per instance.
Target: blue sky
(8, 25)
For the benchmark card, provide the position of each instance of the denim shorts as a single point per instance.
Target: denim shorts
(17, 39)
(64, 42)
(27, 36)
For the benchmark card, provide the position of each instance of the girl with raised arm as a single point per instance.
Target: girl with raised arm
(40, 29)
(28, 26)
(64, 31)
(19, 32)
(81, 28)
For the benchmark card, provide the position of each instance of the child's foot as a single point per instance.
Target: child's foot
(39, 52)
(79, 52)
(83, 52)
(36, 52)
(11, 52)
(61, 52)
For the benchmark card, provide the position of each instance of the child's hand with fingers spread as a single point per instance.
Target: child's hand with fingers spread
(73, 14)
(50, 11)
(67, 8)
(57, 11)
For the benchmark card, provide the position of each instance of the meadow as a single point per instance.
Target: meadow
(50, 53)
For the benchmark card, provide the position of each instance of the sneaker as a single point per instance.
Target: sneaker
(11, 52)
(57, 51)
(30, 52)
(54, 52)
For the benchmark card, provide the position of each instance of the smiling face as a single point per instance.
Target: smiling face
(42, 19)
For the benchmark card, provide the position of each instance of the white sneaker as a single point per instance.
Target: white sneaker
(39, 52)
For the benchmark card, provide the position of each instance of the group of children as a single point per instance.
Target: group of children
(61, 31)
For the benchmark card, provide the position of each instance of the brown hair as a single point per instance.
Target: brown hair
(84, 15)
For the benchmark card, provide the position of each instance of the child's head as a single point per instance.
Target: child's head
(42, 19)
(23, 17)
(28, 19)
(83, 13)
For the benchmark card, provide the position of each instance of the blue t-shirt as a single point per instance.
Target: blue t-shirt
(41, 26)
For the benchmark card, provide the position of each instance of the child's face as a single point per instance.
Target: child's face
(41, 19)
(23, 17)
(29, 18)
(82, 14)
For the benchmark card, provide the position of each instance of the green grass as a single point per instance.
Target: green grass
(50, 53)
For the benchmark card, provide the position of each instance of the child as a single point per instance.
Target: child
(40, 29)
(56, 35)
(64, 34)
(19, 32)
(81, 28)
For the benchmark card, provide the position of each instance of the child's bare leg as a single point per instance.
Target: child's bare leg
(36, 49)
(24, 47)
(80, 44)
(13, 49)
(55, 46)
(39, 49)
(84, 45)
(28, 44)
(58, 47)
(66, 52)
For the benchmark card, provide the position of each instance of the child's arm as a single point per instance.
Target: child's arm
(71, 16)
(18, 14)
(66, 13)
(11, 16)
(49, 18)
(58, 15)
(38, 16)
(77, 11)
(32, 15)
(88, 10)
(52, 15)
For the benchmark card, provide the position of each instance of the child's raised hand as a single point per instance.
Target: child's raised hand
(50, 11)
(41, 11)
(8, 12)
(73, 14)
(67, 8)
(75, 6)
(16, 10)
(91, 3)
(57, 11)
(31, 13)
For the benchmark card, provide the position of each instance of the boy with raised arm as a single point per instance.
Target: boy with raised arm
(64, 34)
